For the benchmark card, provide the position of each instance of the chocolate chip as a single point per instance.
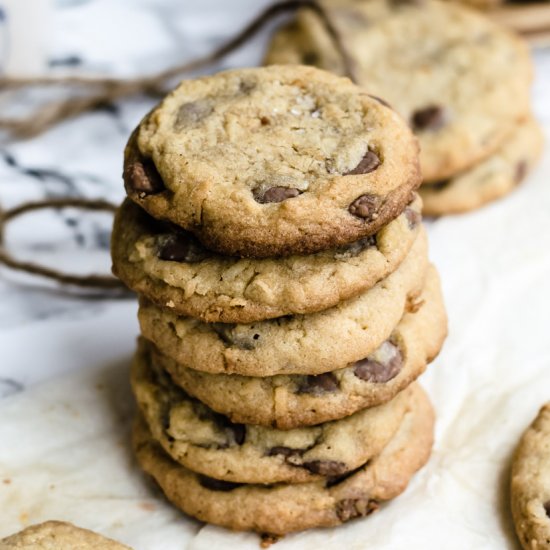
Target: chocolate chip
(335, 480)
(383, 370)
(239, 433)
(141, 176)
(217, 484)
(242, 341)
(181, 247)
(246, 86)
(547, 508)
(366, 207)
(310, 58)
(521, 170)
(275, 194)
(236, 433)
(191, 113)
(318, 384)
(413, 217)
(380, 100)
(351, 508)
(369, 163)
(439, 185)
(325, 467)
(408, 2)
(355, 248)
(432, 118)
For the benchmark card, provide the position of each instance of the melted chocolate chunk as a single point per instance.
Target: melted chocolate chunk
(217, 484)
(408, 2)
(141, 176)
(239, 433)
(366, 207)
(547, 508)
(319, 384)
(351, 508)
(310, 58)
(379, 372)
(413, 217)
(275, 194)
(246, 86)
(241, 341)
(325, 467)
(236, 433)
(431, 118)
(191, 113)
(181, 247)
(439, 185)
(521, 170)
(369, 163)
(355, 248)
(335, 480)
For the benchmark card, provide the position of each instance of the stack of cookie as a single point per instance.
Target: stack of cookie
(287, 303)
(459, 79)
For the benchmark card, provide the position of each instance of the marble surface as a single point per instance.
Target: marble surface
(59, 350)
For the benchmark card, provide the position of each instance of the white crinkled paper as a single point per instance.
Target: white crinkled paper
(64, 443)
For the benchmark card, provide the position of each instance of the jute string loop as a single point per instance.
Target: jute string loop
(104, 90)
(106, 282)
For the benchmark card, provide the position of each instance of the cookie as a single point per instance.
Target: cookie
(305, 344)
(272, 161)
(530, 487)
(282, 508)
(172, 269)
(463, 87)
(58, 535)
(289, 401)
(210, 444)
(491, 179)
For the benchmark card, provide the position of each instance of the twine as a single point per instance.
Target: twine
(107, 90)
(104, 91)
(105, 282)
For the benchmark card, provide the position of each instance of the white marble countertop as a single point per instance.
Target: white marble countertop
(495, 266)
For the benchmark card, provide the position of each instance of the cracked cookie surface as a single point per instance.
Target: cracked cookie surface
(463, 87)
(272, 161)
(282, 508)
(210, 444)
(289, 401)
(305, 344)
(171, 268)
(530, 486)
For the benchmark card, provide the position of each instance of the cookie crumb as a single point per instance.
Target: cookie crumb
(267, 540)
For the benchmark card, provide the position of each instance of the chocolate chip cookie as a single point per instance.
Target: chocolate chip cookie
(491, 179)
(299, 344)
(460, 80)
(58, 535)
(282, 508)
(290, 401)
(210, 444)
(272, 161)
(530, 488)
(172, 269)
